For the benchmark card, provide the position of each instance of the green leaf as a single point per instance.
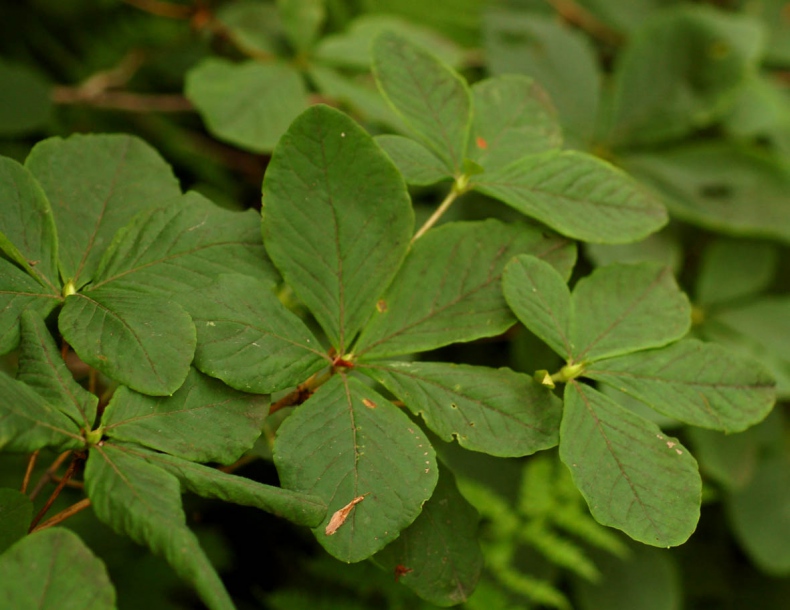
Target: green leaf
(448, 289)
(143, 341)
(204, 420)
(249, 104)
(253, 26)
(302, 509)
(347, 442)
(352, 48)
(301, 21)
(27, 230)
(729, 459)
(432, 99)
(496, 411)
(540, 298)
(558, 57)
(633, 477)
(513, 117)
(647, 579)
(53, 569)
(20, 292)
(440, 549)
(759, 518)
(720, 186)
(16, 511)
(619, 309)
(247, 338)
(418, 165)
(28, 422)
(95, 185)
(679, 71)
(143, 502)
(359, 94)
(759, 329)
(25, 100)
(336, 219)
(184, 246)
(699, 383)
(774, 19)
(663, 247)
(578, 195)
(41, 367)
(732, 269)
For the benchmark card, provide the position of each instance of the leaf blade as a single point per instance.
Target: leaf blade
(496, 411)
(204, 421)
(633, 477)
(448, 289)
(578, 195)
(319, 450)
(702, 384)
(540, 298)
(623, 308)
(430, 97)
(247, 338)
(342, 247)
(144, 342)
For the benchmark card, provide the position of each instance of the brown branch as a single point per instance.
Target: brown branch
(47, 476)
(302, 392)
(64, 514)
(122, 100)
(54, 496)
(31, 463)
(577, 15)
(163, 9)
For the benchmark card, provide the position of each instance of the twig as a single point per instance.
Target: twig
(64, 514)
(31, 463)
(54, 496)
(47, 476)
(302, 392)
(577, 15)
(69, 483)
(443, 207)
(242, 461)
(163, 9)
(122, 100)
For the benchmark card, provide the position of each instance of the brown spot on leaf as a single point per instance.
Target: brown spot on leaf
(481, 143)
(401, 570)
(368, 403)
(340, 516)
(381, 306)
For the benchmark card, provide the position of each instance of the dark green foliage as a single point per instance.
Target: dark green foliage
(478, 227)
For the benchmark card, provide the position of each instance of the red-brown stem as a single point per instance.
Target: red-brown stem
(64, 514)
(47, 476)
(54, 496)
(31, 463)
(242, 461)
(577, 15)
(122, 100)
(302, 392)
(163, 9)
